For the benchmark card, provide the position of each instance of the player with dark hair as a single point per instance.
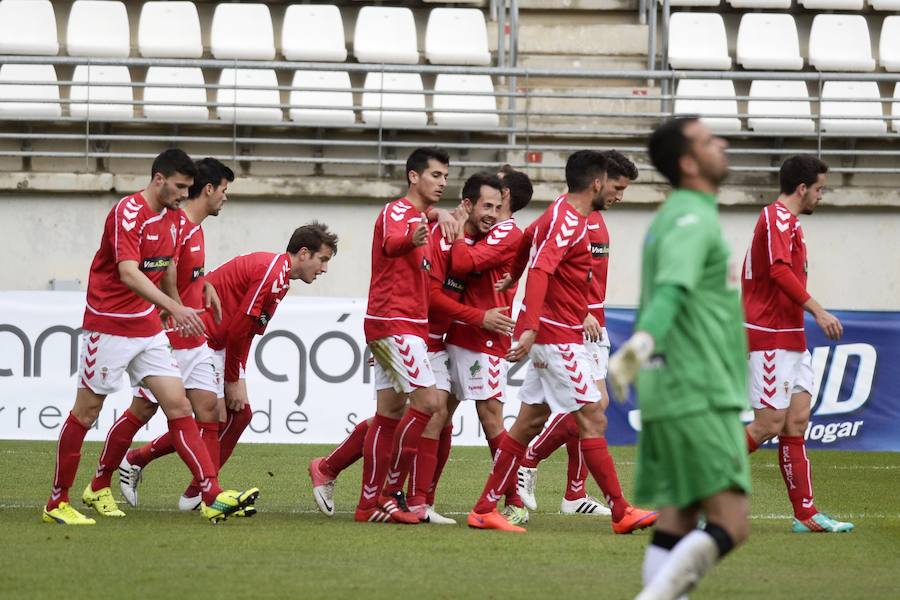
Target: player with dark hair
(563, 429)
(122, 333)
(691, 351)
(184, 281)
(775, 296)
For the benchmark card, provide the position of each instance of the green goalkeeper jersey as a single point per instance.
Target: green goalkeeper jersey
(701, 362)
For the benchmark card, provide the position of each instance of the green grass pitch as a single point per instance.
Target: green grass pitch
(291, 551)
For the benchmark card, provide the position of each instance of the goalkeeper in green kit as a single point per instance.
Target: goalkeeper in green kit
(689, 355)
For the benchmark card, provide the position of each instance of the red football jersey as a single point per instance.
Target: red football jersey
(774, 321)
(439, 320)
(133, 231)
(190, 258)
(598, 236)
(251, 287)
(493, 256)
(399, 287)
(559, 247)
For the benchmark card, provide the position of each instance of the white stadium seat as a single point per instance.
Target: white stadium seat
(98, 28)
(28, 27)
(795, 104)
(457, 36)
(889, 46)
(174, 103)
(692, 2)
(169, 30)
(242, 31)
(768, 41)
(784, 4)
(313, 32)
(832, 4)
(722, 106)
(447, 97)
(413, 104)
(895, 108)
(12, 95)
(840, 43)
(866, 115)
(385, 35)
(885, 4)
(92, 100)
(698, 41)
(342, 101)
(249, 86)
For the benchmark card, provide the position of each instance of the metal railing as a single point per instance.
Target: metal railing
(535, 111)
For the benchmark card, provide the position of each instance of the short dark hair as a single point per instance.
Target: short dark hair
(171, 161)
(209, 171)
(666, 146)
(472, 187)
(312, 236)
(582, 168)
(618, 165)
(418, 160)
(507, 169)
(800, 168)
(520, 189)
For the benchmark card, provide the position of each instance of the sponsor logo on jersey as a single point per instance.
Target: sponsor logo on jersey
(474, 369)
(455, 285)
(156, 263)
(426, 265)
(599, 250)
(264, 319)
(197, 273)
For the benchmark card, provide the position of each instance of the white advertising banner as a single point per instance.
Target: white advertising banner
(308, 378)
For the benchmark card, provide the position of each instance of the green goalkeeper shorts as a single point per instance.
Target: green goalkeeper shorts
(686, 459)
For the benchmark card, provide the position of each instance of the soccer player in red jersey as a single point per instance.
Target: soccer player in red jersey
(122, 332)
(563, 429)
(775, 296)
(478, 356)
(444, 307)
(185, 282)
(550, 330)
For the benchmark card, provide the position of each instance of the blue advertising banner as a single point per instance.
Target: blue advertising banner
(856, 401)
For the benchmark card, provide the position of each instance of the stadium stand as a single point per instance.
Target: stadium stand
(169, 30)
(457, 36)
(98, 29)
(691, 99)
(403, 107)
(848, 99)
(242, 31)
(44, 98)
(698, 41)
(840, 43)
(385, 35)
(313, 32)
(28, 27)
(105, 93)
(760, 113)
(768, 41)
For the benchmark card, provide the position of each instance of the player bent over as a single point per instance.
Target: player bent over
(183, 281)
(775, 296)
(122, 332)
(563, 429)
(690, 348)
(251, 287)
(551, 331)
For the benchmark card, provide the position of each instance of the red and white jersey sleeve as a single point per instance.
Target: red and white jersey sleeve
(190, 259)
(493, 256)
(773, 320)
(133, 231)
(399, 287)
(439, 321)
(598, 236)
(560, 249)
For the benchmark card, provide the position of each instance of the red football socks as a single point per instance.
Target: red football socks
(423, 467)
(142, 456)
(751, 443)
(231, 431)
(406, 442)
(576, 471)
(209, 433)
(503, 473)
(443, 455)
(192, 450)
(600, 463)
(68, 455)
(347, 453)
(557, 433)
(797, 476)
(118, 440)
(376, 454)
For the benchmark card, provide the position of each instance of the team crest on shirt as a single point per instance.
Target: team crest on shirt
(264, 319)
(174, 233)
(426, 265)
(104, 371)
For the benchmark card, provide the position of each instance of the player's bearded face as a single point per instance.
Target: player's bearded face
(431, 182)
(600, 186)
(708, 151)
(218, 198)
(614, 190)
(813, 195)
(175, 190)
(486, 210)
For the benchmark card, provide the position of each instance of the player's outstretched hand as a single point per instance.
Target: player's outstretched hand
(420, 234)
(448, 222)
(626, 362)
(522, 347)
(504, 284)
(830, 324)
(592, 330)
(497, 322)
(211, 301)
(186, 321)
(236, 394)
